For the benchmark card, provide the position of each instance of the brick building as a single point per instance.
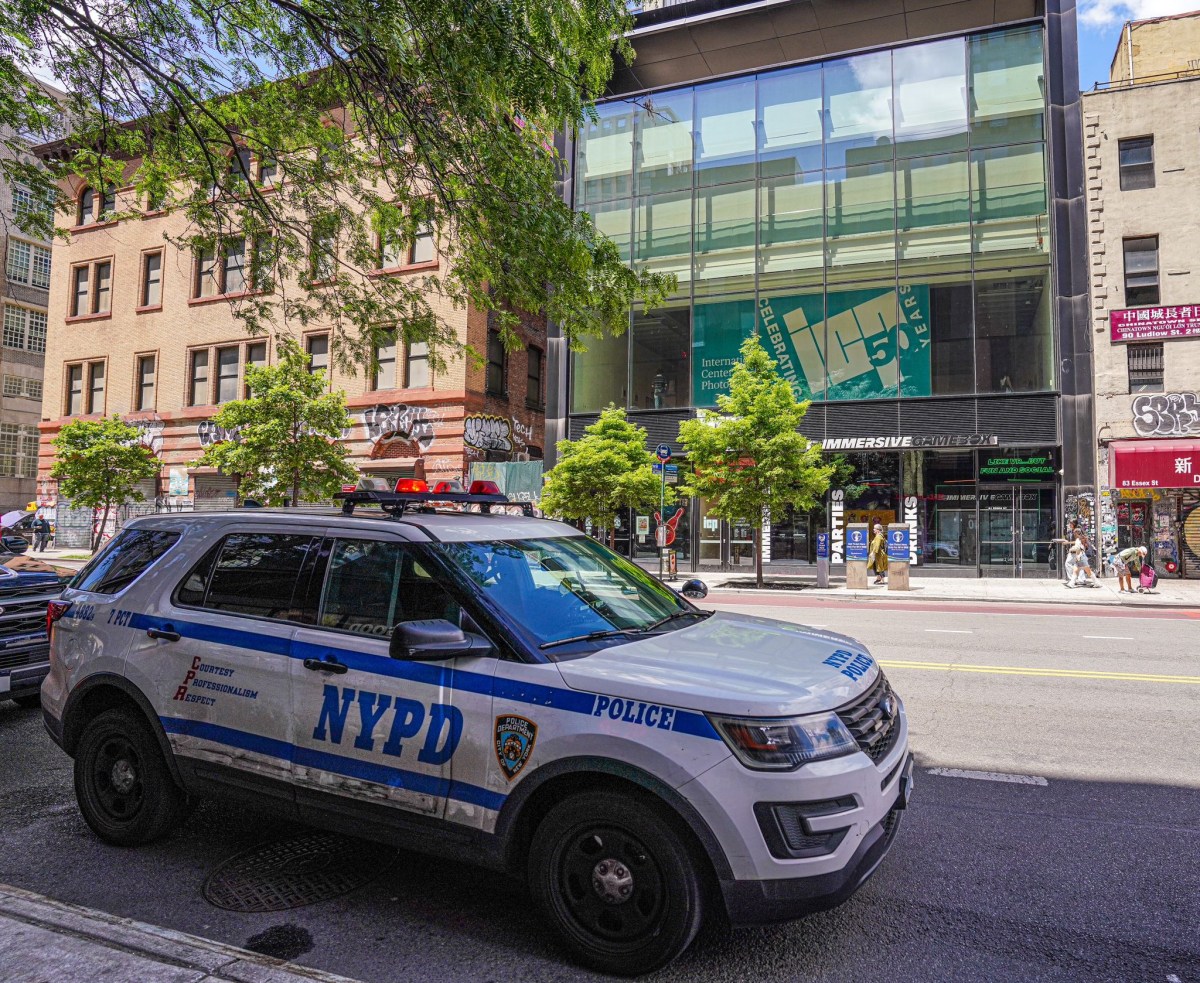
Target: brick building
(1144, 218)
(147, 331)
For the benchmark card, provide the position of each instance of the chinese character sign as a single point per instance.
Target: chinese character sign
(1154, 323)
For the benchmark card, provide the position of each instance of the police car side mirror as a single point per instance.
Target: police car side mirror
(435, 639)
(696, 589)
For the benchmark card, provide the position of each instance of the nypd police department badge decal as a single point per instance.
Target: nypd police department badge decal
(515, 737)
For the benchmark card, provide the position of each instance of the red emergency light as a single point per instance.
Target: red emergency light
(450, 487)
(484, 488)
(411, 486)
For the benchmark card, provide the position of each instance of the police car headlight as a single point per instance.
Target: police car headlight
(781, 744)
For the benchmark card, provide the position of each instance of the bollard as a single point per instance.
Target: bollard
(898, 558)
(857, 544)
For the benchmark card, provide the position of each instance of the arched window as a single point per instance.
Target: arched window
(87, 207)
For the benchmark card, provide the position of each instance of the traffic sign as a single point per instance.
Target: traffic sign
(663, 452)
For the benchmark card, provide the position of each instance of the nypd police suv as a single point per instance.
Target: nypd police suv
(485, 685)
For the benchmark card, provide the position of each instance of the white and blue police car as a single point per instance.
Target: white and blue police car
(425, 669)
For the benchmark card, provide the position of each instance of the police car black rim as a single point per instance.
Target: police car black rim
(610, 885)
(116, 778)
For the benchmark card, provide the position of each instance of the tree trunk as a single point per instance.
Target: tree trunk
(758, 557)
(295, 488)
(612, 536)
(98, 535)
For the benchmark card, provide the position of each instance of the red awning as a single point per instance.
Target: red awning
(1154, 464)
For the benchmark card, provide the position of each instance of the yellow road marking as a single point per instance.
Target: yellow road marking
(1131, 677)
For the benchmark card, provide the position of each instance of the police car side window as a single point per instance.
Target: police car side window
(372, 585)
(250, 573)
(126, 559)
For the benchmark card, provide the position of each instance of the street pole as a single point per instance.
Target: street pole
(661, 532)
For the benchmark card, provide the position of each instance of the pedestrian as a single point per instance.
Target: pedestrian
(41, 534)
(1127, 563)
(877, 558)
(1077, 561)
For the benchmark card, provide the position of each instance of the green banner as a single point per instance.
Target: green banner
(858, 344)
(521, 481)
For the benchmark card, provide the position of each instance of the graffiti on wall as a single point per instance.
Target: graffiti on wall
(485, 432)
(209, 433)
(1166, 414)
(150, 434)
(1082, 508)
(1108, 524)
(402, 421)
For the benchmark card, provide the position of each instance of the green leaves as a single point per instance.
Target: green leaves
(608, 469)
(376, 115)
(100, 463)
(749, 458)
(286, 448)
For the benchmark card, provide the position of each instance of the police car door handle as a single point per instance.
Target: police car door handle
(166, 634)
(328, 664)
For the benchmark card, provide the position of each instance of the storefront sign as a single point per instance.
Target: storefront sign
(1166, 414)
(837, 524)
(1025, 467)
(911, 504)
(643, 526)
(1154, 464)
(903, 443)
(1154, 323)
(856, 544)
(898, 544)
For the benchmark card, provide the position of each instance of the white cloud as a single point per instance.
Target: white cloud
(1106, 13)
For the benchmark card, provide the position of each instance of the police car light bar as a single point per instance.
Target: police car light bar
(411, 491)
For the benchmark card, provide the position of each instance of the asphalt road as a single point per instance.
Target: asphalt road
(1083, 865)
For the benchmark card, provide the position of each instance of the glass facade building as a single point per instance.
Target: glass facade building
(885, 222)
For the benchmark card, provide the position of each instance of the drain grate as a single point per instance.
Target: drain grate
(295, 872)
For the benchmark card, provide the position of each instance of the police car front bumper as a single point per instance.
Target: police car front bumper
(760, 902)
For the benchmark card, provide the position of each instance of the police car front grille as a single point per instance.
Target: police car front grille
(15, 660)
(865, 718)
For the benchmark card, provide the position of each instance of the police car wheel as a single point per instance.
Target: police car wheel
(617, 882)
(125, 791)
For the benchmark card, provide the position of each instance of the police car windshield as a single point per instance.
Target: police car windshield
(558, 589)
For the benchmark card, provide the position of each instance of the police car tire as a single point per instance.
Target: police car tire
(665, 906)
(124, 788)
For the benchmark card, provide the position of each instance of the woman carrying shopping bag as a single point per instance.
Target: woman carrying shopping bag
(877, 557)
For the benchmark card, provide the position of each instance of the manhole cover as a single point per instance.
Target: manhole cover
(294, 872)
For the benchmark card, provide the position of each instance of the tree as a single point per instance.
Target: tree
(749, 459)
(608, 469)
(285, 436)
(327, 133)
(99, 465)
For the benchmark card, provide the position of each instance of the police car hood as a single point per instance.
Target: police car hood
(731, 664)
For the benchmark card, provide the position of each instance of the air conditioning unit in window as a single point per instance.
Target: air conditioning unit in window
(522, 456)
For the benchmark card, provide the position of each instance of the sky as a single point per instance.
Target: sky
(1100, 23)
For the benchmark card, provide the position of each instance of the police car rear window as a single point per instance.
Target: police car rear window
(257, 574)
(128, 556)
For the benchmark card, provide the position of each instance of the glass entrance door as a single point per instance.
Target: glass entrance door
(1016, 528)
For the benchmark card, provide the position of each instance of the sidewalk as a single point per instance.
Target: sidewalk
(1169, 593)
(43, 940)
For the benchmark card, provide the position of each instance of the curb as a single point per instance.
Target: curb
(838, 594)
(217, 961)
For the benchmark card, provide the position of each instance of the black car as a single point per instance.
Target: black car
(27, 586)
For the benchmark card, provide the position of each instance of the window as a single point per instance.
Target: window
(1141, 271)
(91, 289)
(495, 364)
(28, 263)
(152, 280)
(96, 206)
(373, 586)
(256, 355)
(95, 402)
(1137, 163)
(221, 272)
(18, 450)
(533, 386)
(251, 573)
(385, 372)
(24, 329)
(417, 374)
(227, 374)
(146, 365)
(198, 391)
(26, 203)
(268, 172)
(127, 557)
(397, 252)
(15, 385)
(74, 390)
(322, 258)
(1145, 367)
(317, 346)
